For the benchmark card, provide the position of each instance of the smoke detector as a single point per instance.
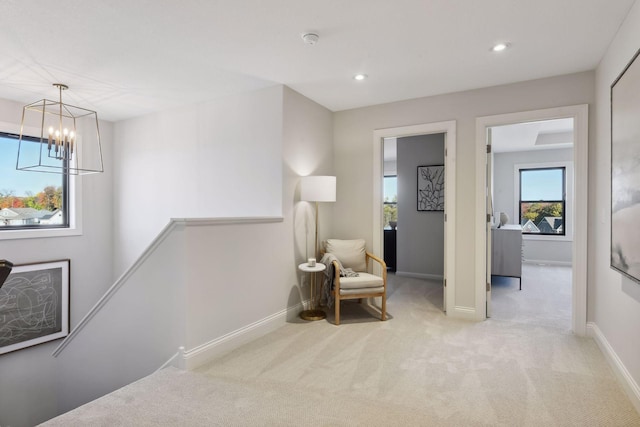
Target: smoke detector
(310, 38)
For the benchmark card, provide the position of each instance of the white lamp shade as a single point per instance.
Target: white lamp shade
(318, 189)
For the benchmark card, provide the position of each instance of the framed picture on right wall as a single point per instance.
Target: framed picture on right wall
(625, 171)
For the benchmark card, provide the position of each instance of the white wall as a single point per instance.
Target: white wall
(136, 330)
(538, 248)
(614, 301)
(29, 384)
(354, 153)
(215, 159)
(420, 235)
(254, 266)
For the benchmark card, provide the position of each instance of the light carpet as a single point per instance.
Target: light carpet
(419, 368)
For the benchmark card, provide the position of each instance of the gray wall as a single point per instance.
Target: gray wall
(552, 250)
(420, 247)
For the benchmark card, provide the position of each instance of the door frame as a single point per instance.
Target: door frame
(580, 116)
(448, 128)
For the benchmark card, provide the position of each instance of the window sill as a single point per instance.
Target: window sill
(548, 238)
(38, 234)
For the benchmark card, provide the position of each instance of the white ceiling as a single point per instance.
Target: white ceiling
(542, 135)
(125, 58)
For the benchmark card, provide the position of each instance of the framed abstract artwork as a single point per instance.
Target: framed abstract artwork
(34, 305)
(625, 171)
(431, 188)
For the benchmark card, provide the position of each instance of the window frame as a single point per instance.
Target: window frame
(562, 201)
(569, 198)
(73, 226)
(389, 203)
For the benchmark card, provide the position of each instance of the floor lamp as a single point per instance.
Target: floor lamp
(316, 189)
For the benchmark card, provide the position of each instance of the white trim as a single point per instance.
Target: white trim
(75, 201)
(580, 115)
(420, 275)
(173, 223)
(465, 313)
(449, 129)
(204, 353)
(177, 360)
(547, 262)
(629, 385)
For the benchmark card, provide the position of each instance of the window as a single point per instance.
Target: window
(30, 200)
(390, 201)
(542, 201)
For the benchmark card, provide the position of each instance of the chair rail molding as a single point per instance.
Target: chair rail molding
(174, 224)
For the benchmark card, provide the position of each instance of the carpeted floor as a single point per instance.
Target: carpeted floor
(545, 298)
(419, 368)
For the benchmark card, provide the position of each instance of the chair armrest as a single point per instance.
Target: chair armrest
(383, 266)
(336, 276)
(378, 260)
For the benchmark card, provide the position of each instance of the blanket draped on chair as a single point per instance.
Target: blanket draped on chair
(329, 275)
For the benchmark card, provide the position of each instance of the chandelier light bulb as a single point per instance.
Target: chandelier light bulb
(499, 47)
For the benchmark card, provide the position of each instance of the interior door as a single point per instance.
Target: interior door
(489, 216)
(444, 280)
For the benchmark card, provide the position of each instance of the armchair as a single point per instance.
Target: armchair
(352, 254)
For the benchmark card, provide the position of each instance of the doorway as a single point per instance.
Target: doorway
(530, 185)
(448, 130)
(484, 219)
(413, 214)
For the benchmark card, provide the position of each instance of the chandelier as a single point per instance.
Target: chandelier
(59, 138)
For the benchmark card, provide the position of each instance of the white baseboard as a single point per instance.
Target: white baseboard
(465, 313)
(547, 262)
(420, 275)
(628, 383)
(176, 361)
(200, 355)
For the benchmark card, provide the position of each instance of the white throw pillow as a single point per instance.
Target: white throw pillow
(351, 253)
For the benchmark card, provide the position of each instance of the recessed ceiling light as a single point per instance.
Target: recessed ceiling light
(499, 47)
(360, 76)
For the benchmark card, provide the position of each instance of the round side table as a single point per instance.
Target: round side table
(313, 313)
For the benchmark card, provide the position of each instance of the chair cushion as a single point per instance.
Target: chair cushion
(351, 253)
(362, 282)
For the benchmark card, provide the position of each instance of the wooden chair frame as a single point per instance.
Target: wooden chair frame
(383, 294)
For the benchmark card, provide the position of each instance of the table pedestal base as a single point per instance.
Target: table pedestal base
(313, 315)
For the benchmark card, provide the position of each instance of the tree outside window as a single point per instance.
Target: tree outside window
(542, 201)
(390, 209)
(29, 200)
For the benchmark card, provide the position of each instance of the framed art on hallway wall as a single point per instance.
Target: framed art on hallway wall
(625, 171)
(34, 305)
(431, 188)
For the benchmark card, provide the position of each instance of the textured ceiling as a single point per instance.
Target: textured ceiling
(128, 58)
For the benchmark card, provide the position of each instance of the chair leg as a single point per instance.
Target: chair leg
(384, 307)
(337, 303)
